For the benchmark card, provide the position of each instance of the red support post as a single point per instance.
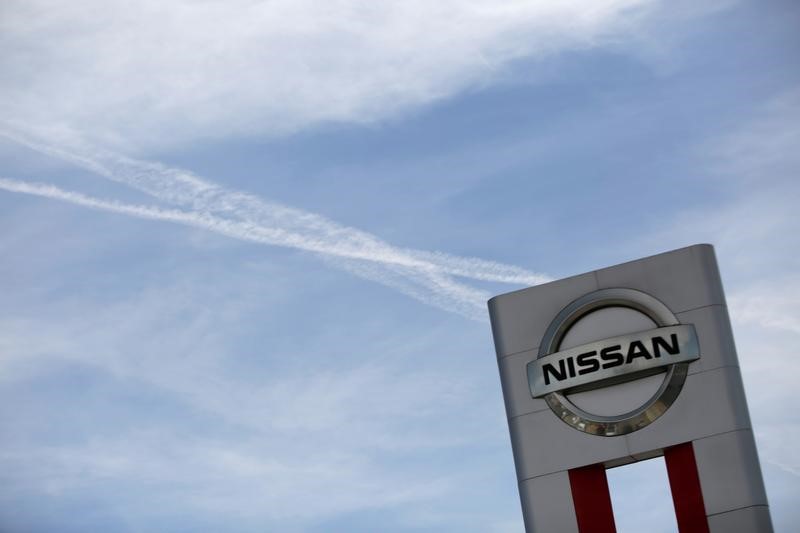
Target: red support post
(592, 500)
(684, 483)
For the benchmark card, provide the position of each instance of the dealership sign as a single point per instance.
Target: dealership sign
(624, 364)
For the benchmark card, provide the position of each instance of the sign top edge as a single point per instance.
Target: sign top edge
(700, 247)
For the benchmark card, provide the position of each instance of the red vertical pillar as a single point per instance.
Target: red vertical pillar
(592, 499)
(684, 483)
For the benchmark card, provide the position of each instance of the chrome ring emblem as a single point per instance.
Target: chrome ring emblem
(640, 362)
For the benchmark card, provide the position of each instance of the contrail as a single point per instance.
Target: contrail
(429, 286)
(226, 227)
(425, 276)
(294, 227)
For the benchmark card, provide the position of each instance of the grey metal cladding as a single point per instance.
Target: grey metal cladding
(683, 279)
(519, 318)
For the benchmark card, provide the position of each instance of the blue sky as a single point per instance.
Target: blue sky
(247, 246)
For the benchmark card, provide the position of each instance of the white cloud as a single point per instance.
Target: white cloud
(154, 73)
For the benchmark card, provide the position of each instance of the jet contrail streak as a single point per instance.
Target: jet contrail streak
(428, 285)
(293, 227)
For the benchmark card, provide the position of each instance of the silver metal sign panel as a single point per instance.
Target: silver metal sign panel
(614, 360)
(685, 400)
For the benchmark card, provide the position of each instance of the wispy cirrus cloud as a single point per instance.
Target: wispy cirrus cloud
(148, 74)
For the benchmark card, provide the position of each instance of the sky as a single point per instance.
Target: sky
(247, 246)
